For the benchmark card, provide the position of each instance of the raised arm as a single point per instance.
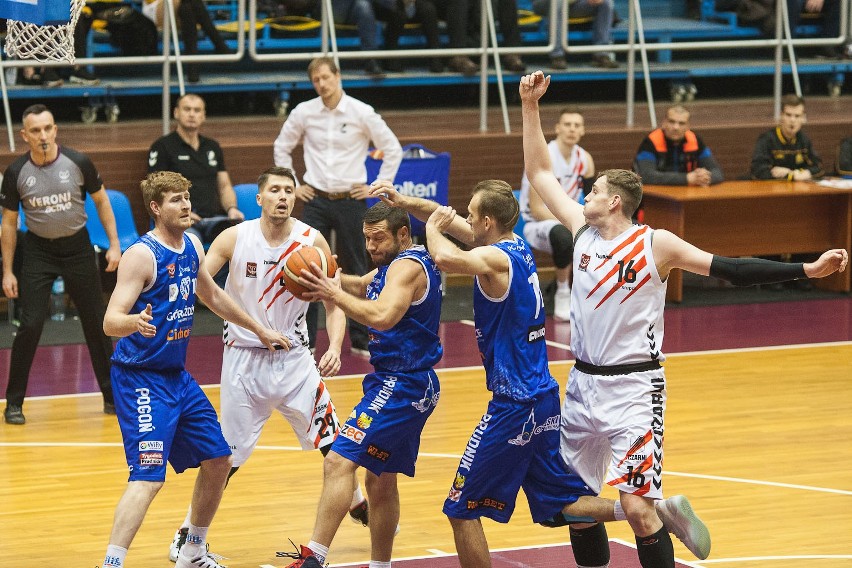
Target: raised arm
(420, 208)
(537, 158)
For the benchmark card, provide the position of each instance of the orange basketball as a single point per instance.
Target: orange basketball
(302, 259)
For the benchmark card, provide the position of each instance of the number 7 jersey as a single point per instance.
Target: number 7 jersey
(617, 298)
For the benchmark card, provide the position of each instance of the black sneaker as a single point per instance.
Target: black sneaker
(50, 78)
(360, 513)
(14, 414)
(82, 76)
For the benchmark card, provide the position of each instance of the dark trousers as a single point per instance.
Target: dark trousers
(346, 217)
(73, 258)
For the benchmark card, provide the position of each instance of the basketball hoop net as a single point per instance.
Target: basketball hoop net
(43, 43)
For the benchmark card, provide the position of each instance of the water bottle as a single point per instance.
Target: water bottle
(57, 300)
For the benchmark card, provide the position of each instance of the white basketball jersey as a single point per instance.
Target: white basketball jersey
(255, 282)
(570, 174)
(617, 299)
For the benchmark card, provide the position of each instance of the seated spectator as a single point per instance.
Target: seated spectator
(844, 158)
(602, 13)
(419, 11)
(200, 160)
(364, 15)
(190, 14)
(830, 10)
(506, 16)
(455, 14)
(675, 155)
(785, 152)
(572, 166)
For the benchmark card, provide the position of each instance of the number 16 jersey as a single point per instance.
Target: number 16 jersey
(617, 298)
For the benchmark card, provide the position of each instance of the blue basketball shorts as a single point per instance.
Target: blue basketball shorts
(164, 416)
(383, 432)
(514, 446)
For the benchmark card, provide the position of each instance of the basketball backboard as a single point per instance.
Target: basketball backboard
(40, 12)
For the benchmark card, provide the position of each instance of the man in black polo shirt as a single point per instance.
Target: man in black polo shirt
(51, 183)
(199, 159)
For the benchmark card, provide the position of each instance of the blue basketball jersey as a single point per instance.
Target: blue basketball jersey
(510, 330)
(413, 343)
(172, 299)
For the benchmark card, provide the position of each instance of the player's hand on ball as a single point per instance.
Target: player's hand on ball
(320, 286)
(142, 325)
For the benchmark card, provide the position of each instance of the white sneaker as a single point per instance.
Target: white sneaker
(680, 520)
(562, 304)
(206, 560)
(174, 548)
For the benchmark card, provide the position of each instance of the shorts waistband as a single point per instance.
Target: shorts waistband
(332, 196)
(609, 370)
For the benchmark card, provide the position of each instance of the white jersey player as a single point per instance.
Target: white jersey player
(256, 382)
(612, 417)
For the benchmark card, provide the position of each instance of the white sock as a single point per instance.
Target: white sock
(195, 540)
(379, 564)
(618, 511)
(319, 551)
(357, 497)
(114, 557)
(562, 286)
(185, 524)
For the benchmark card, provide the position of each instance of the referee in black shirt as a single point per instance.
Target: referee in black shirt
(51, 184)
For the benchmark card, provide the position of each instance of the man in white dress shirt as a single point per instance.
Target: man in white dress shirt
(335, 131)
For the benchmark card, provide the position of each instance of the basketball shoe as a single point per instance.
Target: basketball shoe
(180, 538)
(304, 558)
(680, 520)
(360, 513)
(206, 560)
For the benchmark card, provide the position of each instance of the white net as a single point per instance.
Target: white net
(43, 43)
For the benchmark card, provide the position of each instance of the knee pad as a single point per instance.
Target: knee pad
(590, 546)
(562, 243)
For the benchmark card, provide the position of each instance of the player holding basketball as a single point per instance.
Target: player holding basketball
(612, 417)
(254, 381)
(400, 302)
(163, 413)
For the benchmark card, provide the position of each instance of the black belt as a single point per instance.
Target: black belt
(590, 369)
(335, 196)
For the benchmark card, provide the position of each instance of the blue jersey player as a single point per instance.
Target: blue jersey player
(163, 414)
(516, 442)
(400, 303)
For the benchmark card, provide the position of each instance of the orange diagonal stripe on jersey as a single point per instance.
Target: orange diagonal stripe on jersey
(272, 283)
(638, 445)
(276, 296)
(633, 291)
(293, 246)
(637, 249)
(626, 242)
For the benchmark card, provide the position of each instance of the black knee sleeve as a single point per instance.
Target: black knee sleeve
(562, 243)
(590, 546)
(656, 550)
(325, 449)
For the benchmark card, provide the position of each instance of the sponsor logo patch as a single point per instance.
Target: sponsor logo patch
(150, 458)
(486, 502)
(584, 262)
(171, 269)
(364, 421)
(353, 433)
(378, 453)
(454, 495)
(151, 446)
(251, 270)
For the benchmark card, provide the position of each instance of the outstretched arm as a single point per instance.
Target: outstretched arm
(670, 251)
(537, 159)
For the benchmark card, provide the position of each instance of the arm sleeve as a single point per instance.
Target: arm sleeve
(844, 158)
(815, 167)
(708, 162)
(748, 271)
(9, 196)
(158, 157)
(385, 140)
(761, 159)
(290, 135)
